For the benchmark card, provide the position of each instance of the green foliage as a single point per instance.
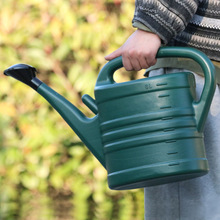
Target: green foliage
(45, 171)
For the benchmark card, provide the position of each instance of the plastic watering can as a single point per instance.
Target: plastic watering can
(145, 132)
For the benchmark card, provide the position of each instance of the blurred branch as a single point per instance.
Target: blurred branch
(57, 68)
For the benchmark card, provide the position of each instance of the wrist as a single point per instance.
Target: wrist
(150, 33)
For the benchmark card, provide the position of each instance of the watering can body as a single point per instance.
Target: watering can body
(147, 131)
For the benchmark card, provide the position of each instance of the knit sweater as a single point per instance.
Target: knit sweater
(194, 23)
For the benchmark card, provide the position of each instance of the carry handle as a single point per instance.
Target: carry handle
(202, 106)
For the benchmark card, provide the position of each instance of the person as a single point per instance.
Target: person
(192, 23)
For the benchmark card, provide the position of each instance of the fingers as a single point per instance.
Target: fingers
(127, 63)
(139, 51)
(114, 54)
(137, 62)
(131, 61)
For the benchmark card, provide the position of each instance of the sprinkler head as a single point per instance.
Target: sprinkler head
(24, 73)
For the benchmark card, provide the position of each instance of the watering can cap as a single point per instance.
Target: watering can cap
(24, 73)
(20, 66)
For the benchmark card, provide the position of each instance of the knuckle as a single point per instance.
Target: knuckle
(137, 68)
(145, 66)
(147, 53)
(131, 53)
(139, 53)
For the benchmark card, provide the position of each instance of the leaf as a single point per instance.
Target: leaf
(7, 109)
(30, 181)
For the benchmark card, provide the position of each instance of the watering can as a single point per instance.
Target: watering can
(145, 132)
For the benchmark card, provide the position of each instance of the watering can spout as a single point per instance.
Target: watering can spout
(86, 128)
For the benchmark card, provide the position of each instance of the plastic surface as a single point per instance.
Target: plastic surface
(24, 73)
(152, 128)
(87, 129)
(146, 132)
(90, 103)
(202, 106)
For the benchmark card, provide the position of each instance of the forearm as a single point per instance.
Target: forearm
(166, 18)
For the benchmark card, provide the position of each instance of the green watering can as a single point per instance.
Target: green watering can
(146, 132)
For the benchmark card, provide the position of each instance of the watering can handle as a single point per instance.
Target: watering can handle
(202, 106)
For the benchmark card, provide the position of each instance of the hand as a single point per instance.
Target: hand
(139, 51)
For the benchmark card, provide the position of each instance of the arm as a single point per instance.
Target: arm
(165, 19)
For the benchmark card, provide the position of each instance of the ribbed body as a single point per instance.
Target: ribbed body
(149, 132)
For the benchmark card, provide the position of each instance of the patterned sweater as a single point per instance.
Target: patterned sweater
(194, 23)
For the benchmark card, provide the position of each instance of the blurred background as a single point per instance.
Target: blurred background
(46, 173)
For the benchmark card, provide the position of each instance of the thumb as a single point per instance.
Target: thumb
(114, 54)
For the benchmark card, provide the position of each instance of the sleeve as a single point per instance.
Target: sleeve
(166, 18)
